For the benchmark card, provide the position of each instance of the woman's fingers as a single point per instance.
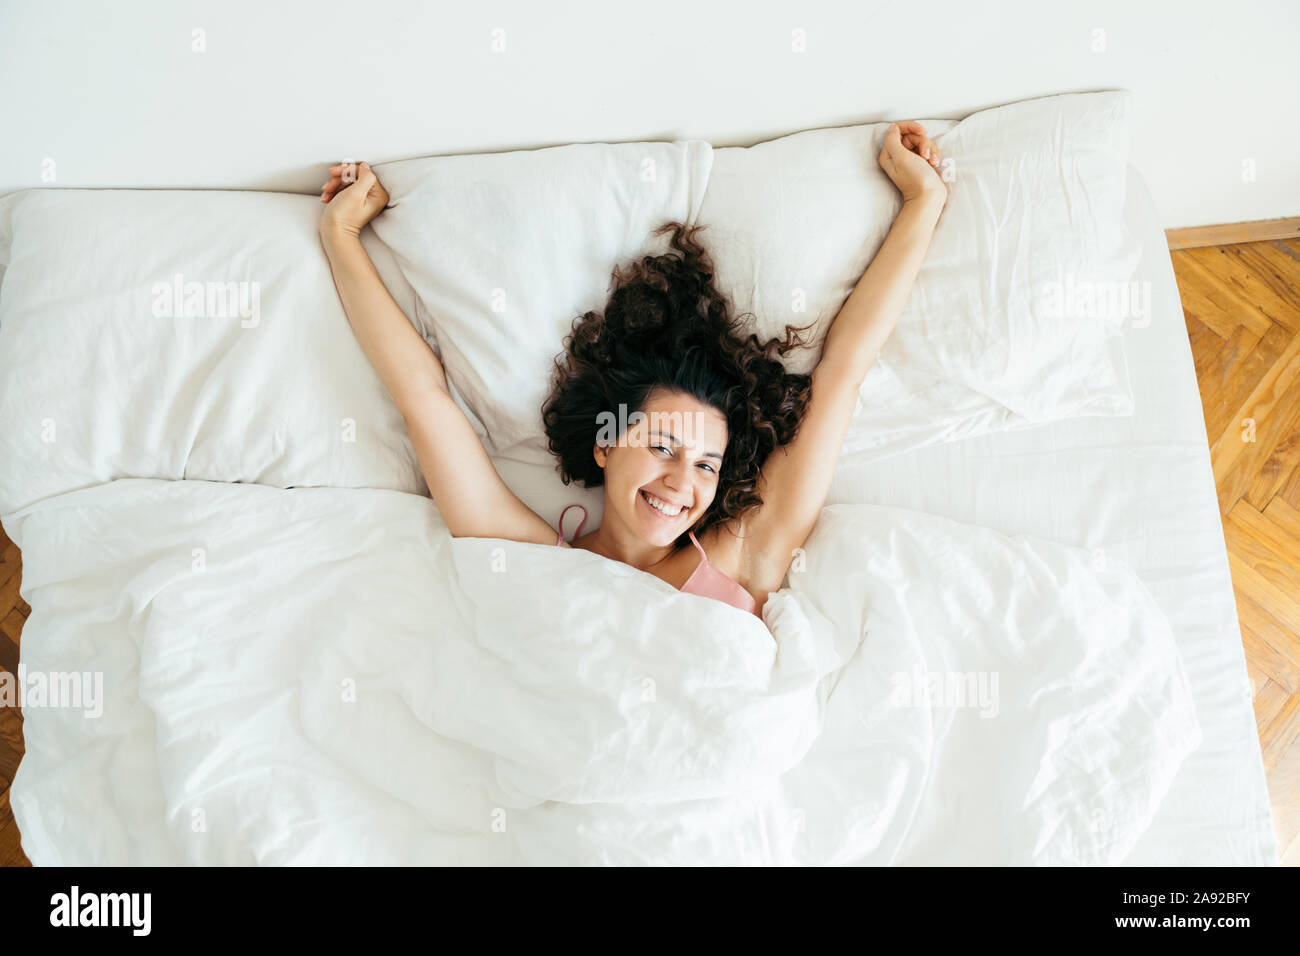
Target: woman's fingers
(925, 148)
(347, 172)
(376, 187)
(343, 175)
(912, 137)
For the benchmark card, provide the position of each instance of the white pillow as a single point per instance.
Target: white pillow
(101, 377)
(1036, 197)
(505, 250)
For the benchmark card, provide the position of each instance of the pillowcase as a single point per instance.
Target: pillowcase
(505, 250)
(197, 334)
(184, 334)
(998, 333)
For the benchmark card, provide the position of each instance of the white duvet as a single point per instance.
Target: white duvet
(326, 676)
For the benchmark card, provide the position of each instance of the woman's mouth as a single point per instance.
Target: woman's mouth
(670, 512)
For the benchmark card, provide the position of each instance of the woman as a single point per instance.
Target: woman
(731, 455)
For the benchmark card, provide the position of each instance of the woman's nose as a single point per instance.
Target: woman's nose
(678, 477)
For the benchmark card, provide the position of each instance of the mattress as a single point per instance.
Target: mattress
(1139, 488)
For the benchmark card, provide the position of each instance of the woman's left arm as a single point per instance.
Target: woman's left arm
(797, 476)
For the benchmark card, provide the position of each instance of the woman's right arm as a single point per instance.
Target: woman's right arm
(471, 497)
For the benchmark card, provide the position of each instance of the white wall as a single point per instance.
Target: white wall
(115, 95)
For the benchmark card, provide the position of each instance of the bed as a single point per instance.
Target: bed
(224, 630)
(1141, 488)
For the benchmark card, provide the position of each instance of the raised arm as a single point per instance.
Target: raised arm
(470, 495)
(796, 478)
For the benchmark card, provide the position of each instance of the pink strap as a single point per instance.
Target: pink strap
(698, 547)
(560, 538)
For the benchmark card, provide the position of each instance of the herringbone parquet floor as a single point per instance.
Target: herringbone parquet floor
(1241, 304)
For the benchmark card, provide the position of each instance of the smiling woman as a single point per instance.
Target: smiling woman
(674, 479)
(749, 476)
(709, 403)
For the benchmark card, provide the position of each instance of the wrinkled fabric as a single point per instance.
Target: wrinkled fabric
(326, 676)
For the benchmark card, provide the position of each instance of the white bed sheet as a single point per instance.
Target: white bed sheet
(1140, 488)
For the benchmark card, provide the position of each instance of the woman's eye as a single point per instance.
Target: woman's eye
(665, 448)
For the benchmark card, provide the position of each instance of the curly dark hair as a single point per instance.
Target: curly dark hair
(666, 326)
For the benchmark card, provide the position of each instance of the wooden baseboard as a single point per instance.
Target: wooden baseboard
(1230, 232)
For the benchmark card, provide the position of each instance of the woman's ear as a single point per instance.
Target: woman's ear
(600, 453)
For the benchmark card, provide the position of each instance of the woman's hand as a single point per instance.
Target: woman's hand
(911, 160)
(350, 205)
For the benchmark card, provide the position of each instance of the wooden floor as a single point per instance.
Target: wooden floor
(13, 615)
(1242, 305)
(1242, 308)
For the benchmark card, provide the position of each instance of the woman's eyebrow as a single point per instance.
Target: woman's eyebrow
(673, 438)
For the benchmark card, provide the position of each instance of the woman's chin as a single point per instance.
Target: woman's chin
(659, 534)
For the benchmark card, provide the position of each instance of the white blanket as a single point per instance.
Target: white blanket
(326, 676)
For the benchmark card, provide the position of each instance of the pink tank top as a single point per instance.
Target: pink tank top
(705, 580)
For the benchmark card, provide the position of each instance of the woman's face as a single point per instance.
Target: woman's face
(674, 455)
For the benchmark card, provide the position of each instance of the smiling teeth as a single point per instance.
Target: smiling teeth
(658, 506)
